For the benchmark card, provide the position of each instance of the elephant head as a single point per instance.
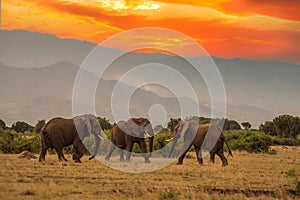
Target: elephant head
(186, 130)
(139, 127)
(87, 124)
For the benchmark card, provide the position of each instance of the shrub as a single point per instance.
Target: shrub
(12, 142)
(250, 141)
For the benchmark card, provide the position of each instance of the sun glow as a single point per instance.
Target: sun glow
(123, 5)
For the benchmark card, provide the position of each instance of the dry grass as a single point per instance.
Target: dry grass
(254, 176)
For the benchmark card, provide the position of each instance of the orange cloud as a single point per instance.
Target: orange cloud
(276, 8)
(225, 28)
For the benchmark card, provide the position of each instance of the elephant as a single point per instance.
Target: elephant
(124, 134)
(60, 132)
(194, 134)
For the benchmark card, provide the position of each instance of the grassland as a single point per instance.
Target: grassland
(254, 176)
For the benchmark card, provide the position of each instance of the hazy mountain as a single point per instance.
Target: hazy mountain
(41, 83)
(29, 49)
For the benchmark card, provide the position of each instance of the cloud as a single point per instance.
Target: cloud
(225, 28)
(276, 8)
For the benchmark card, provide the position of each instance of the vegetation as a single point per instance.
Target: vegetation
(172, 123)
(39, 125)
(248, 176)
(231, 125)
(2, 125)
(12, 140)
(21, 127)
(284, 126)
(104, 123)
(246, 125)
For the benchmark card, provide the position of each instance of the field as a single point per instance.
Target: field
(254, 176)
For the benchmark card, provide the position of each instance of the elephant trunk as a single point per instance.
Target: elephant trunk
(151, 140)
(172, 147)
(97, 140)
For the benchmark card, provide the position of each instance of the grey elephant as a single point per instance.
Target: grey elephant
(60, 132)
(194, 134)
(124, 134)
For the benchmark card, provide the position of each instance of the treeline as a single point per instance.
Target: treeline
(283, 130)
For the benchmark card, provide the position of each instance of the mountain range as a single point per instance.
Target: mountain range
(37, 74)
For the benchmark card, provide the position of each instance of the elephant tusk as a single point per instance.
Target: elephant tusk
(101, 137)
(170, 139)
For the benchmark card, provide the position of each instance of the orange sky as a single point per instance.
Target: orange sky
(253, 29)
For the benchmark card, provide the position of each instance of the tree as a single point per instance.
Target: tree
(246, 125)
(231, 125)
(39, 125)
(22, 127)
(268, 128)
(287, 126)
(172, 123)
(104, 123)
(2, 124)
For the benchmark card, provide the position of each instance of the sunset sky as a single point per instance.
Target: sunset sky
(252, 29)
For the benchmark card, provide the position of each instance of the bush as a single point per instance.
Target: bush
(285, 141)
(250, 141)
(12, 142)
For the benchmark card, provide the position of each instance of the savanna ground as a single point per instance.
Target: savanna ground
(254, 176)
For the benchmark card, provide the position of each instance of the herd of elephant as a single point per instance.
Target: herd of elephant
(61, 132)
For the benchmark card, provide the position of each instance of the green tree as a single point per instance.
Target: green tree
(39, 125)
(104, 123)
(287, 126)
(172, 123)
(268, 128)
(231, 125)
(2, 124)
(246, 125)
(22, 127)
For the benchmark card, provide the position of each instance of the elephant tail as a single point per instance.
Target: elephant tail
(229, 151)
(45, 138)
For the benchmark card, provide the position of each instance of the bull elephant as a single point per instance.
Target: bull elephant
(61, 132)
(124, 134)
(194, 134)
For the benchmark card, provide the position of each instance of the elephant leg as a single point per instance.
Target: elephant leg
(121, 155)
(78, 146)
(43, 153)
(180, 159)
(128, 149)
(60, 153)
(212, 156)
(112, 147)
(220, 153)
(143, 147)
(199, 155)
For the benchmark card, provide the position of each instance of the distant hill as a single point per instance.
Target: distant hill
(38, 71)
(30, 49)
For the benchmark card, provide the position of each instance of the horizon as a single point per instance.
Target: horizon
(147, 52)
